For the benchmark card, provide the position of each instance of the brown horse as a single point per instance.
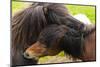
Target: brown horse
(55, 38)
(27, 25)
(89, 44)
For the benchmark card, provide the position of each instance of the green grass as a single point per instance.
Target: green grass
(18, 6)
(47, 58)
(73, 9)
(89, 11)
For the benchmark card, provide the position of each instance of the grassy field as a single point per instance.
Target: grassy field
(89, 11)
(18, 6)
(73, 9)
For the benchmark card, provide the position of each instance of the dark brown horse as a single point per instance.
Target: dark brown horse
(55, 38)
(27, 25)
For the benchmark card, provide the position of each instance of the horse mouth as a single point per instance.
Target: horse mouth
(27, 56)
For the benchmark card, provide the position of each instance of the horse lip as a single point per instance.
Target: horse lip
(30, 57)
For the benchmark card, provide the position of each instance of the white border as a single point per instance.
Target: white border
(4, 33)
(5, 38)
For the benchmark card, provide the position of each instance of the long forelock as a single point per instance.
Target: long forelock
(27, 24)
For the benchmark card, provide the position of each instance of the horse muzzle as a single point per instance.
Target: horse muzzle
(30, 56)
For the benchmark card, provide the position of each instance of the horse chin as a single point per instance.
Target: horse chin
(31, 57)
(35, 58)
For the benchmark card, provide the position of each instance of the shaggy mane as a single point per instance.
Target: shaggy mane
(27, 24)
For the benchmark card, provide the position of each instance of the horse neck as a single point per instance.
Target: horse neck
(75, 45)
(89, 29)
(89, 37)
(89, 43)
